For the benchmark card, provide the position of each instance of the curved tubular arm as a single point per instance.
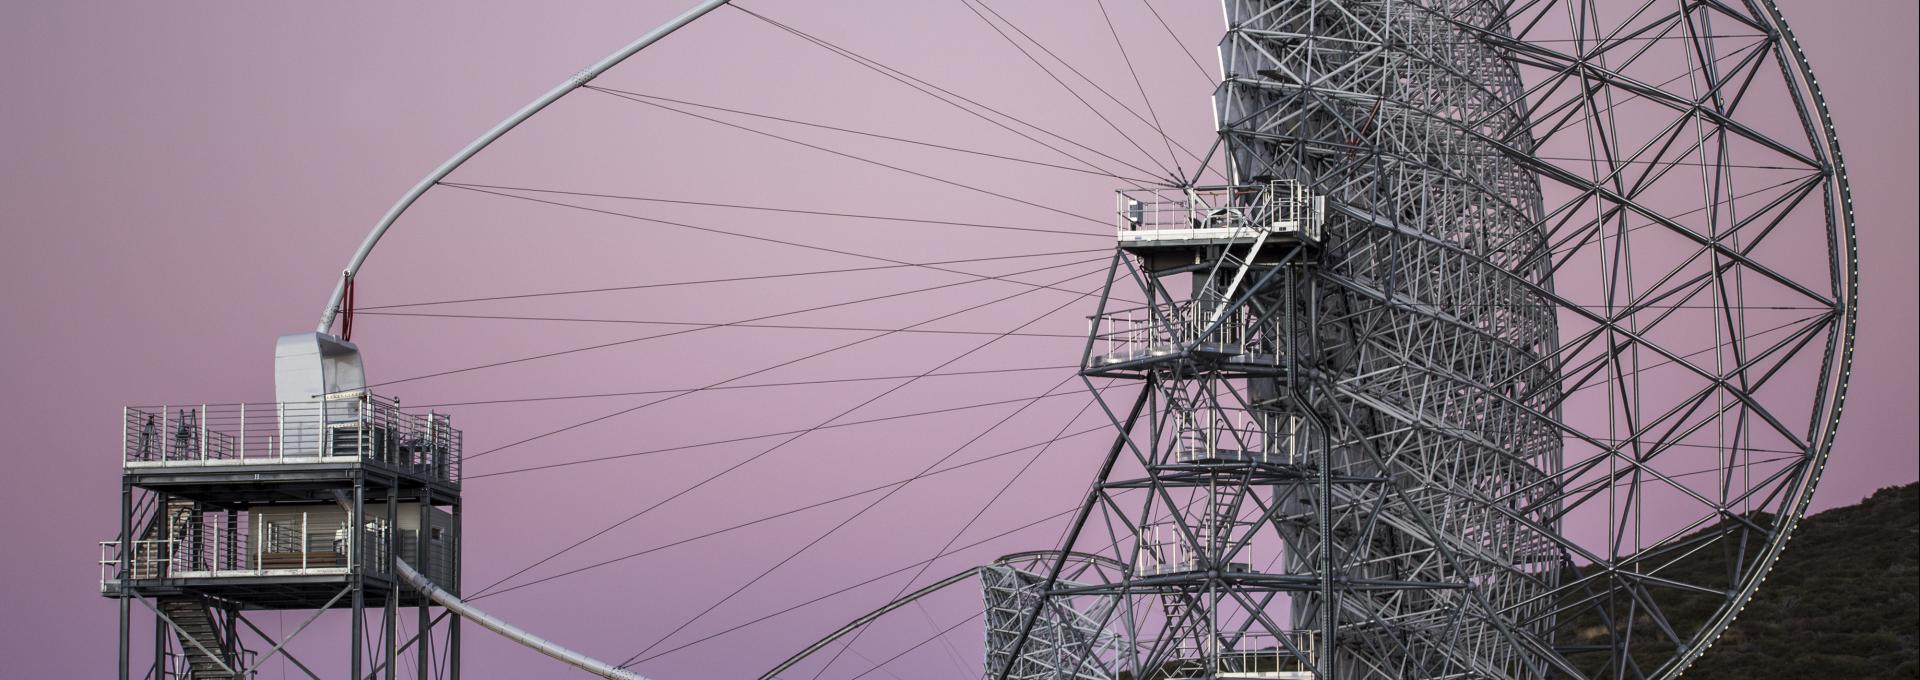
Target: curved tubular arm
(474, 147)
(866, 619)
(454, 604)
(488, 621)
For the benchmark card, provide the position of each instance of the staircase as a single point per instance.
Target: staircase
(1189, 635)
(1240, 268)
(169, 534)
(1223, 514)
(196, 630)
(177, 519)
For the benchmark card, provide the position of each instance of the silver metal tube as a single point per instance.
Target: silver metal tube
(488, 621)
(505, 126)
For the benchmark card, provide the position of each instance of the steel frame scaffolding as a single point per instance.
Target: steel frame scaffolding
(197, 548)
(1378, 409)
(1364, 439)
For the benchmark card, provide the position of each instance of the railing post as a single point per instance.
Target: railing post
(303, 541)
(243, 431)
(203, 434)
(354, 527)
(165, 434)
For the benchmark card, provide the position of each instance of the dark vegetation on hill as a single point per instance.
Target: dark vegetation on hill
(1841, 602)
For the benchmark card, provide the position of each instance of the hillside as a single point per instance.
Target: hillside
(1841, 602)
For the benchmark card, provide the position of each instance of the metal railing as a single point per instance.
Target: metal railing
(1241, 656)
(1282, 205)
(1262, 655)
(1163, 549)
(214, 544)
(1236, 434)
(1168, 328)
(355, 425)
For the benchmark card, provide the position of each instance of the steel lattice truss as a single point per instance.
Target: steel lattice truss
(1069, 641)
(1513, 349)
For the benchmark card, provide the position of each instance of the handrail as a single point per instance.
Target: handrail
(361, 426)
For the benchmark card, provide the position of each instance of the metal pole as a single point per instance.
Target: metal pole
(505, 126)
(126, 605)
(164, 517)
(421, 553)
(391, 617)
(232, 540)
(1329, 663)
(160, 627)
(1073, 533)
(454, 549)
(355, 522)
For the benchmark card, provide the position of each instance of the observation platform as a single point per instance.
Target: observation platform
(1233, 236)
(1131, 342)
(221, 452)
(1179, 226)
(252, 502)
(277, 556)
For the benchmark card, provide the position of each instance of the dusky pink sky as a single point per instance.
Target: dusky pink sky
(183, 181)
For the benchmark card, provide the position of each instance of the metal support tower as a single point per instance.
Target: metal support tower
(1342, 359)
(308, 504)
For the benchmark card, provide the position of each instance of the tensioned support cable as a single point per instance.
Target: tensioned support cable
(473, 148)
(733, 279)
(340, 291)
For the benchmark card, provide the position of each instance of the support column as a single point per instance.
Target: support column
(1329, 659)
(423, 560)
(159, 643)
(230, 555)
(356, 531)
(457, 547)
(391, 617)
(163, 515)
(126, 604)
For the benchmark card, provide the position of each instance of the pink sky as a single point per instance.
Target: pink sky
(184, 180)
